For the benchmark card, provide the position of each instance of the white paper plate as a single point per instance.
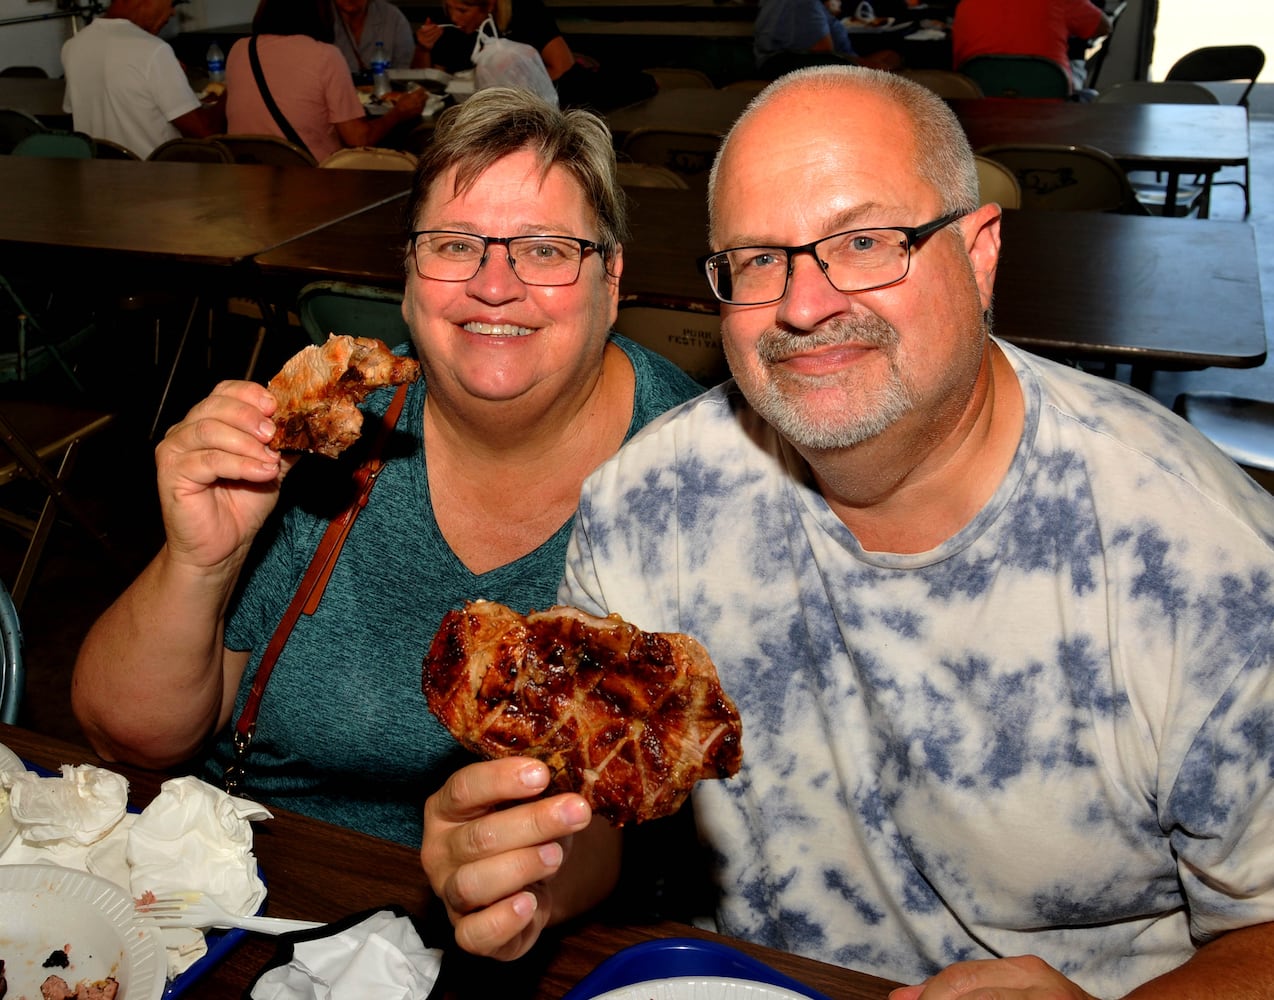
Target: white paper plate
(701, 988)
(43, 908)
(9, 761)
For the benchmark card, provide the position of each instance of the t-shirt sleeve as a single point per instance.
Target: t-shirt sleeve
(340, 93)
(1220, 808)
(1083, 18)
(168, 85)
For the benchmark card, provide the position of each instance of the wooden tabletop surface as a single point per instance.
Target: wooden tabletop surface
(1142, 136)
(202, 213)
(316, 871)
(35, 95)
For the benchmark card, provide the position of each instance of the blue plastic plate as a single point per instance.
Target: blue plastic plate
(219, 942)
(682, 958)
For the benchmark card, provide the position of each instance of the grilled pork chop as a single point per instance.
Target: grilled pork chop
(318, 390)
(629, 719)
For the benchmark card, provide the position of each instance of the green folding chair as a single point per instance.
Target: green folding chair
(328, 307)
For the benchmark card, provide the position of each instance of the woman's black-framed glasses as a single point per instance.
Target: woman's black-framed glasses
(537, 260)
(856, 260)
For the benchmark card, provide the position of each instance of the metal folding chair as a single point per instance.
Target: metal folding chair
(12, 665)
(686, 333)
(328, 307)
(1067, 178)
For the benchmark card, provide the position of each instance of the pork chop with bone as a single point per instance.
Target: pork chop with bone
(629, 719)
(319, 388)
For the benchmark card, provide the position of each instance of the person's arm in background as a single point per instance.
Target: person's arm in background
(557, 56)
(366, 131)
(208, 119)
(1088, 20)
(427, 36)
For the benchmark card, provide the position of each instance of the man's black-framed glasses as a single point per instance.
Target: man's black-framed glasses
(536, 260)
(856, 260)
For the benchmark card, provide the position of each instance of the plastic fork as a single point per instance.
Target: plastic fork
(194, 909)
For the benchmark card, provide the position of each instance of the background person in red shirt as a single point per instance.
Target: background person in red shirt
(1024, 27)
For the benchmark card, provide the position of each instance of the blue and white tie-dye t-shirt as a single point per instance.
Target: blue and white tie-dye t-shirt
(1052, 734)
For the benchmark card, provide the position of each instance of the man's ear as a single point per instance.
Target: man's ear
(981, 230)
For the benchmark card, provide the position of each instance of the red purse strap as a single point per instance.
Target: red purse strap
(306, 599)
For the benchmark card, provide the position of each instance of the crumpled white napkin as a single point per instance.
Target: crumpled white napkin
(926, 35)
(381, 956)
(192, 836)
(81, 808)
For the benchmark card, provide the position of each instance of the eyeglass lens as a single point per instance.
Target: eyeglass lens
(537, 260)
(853, 261)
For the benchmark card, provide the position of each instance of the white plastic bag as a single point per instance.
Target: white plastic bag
(502, 62)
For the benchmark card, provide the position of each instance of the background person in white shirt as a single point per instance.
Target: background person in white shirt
(124, 83)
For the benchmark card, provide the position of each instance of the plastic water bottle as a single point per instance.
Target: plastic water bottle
(216, 64)
(380, 71)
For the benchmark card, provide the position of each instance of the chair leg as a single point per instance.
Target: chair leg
(40, 532)
(172, 371)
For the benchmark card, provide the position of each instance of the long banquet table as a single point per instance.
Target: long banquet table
(1152, 293)
(211, 214)
(316, 871)
(1174, 138)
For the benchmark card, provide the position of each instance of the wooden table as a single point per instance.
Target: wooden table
(1174, 138)
(211, 214)
(36, 96)
(1153, 293)
(669, 232)
(321, 872)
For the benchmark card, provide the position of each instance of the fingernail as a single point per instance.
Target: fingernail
(266, 429)
(573, 811)
(534, 776)
(550, 854)
(524, 904)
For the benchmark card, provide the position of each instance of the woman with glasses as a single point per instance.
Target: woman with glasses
(512, 268)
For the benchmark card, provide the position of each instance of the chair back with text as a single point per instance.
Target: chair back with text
(686, 152)
(687, 334)
(187, 149)
(267, 149)
(342, 307)
(369, 158)
(946, 83)
(56, 145)
(1067, 178)
(1221, 64)
(15, 126)
(12, 666)
(1018, 76)
(997, 183)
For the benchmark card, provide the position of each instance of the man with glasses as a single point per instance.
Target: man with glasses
(1000, 632)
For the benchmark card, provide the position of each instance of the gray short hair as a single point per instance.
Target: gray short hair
(944, 159)
(499, 121)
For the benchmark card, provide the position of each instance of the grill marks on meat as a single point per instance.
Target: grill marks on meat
(629, 719)
(318, 390)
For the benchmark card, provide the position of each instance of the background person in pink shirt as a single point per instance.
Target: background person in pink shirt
(309, 80)
(1024, 27)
